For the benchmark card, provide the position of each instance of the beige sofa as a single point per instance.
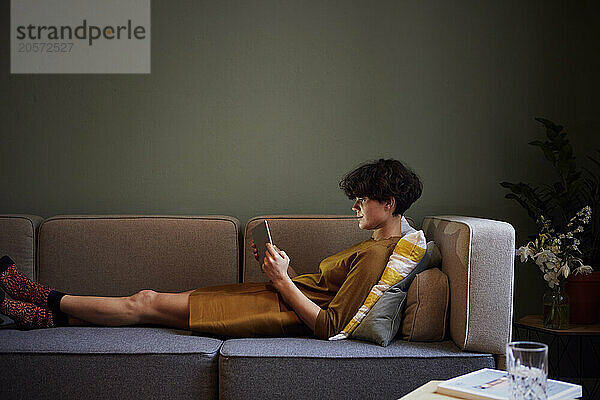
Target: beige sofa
(118, 255)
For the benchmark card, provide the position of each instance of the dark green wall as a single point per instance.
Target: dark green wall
(260, 107)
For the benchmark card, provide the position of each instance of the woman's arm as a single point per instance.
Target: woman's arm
(306, 309)
(276, 266)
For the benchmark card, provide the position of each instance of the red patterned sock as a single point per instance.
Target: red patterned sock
(26, 316)
(20, 287)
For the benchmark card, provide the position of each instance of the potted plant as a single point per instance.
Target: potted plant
(558, 257)
(584, 290)
(555, 208)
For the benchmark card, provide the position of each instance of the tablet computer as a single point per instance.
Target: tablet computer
(261, 236)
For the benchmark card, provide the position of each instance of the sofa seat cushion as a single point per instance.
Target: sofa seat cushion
(337, 369)
(94, 362)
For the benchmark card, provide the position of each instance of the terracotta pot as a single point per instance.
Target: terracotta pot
(584, 298)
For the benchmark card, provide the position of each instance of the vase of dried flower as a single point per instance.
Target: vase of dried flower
(556, 308)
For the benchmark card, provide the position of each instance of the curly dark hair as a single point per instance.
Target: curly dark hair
(382, 179)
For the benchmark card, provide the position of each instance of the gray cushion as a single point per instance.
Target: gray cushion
(107, 363)
(383, 321)
(322, 369)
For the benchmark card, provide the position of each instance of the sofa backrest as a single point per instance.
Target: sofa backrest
(111, 255)
(17, 240)
(307, 239)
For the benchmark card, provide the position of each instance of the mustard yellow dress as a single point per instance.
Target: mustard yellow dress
(257, 309)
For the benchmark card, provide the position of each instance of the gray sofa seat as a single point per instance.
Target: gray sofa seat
(265, 367)
(110, 363)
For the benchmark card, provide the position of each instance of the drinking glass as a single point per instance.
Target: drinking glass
(527, 365)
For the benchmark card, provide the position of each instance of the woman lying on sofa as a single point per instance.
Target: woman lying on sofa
(321, 303)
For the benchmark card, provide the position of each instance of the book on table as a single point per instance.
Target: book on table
(492, 384)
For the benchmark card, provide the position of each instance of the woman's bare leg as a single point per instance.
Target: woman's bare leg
(145, 307)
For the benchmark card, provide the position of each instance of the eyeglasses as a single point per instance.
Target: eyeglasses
(359, 201)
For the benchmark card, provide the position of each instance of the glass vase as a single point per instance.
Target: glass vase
(556, 308)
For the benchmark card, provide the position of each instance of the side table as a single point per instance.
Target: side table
(573, 354)
(426, 392)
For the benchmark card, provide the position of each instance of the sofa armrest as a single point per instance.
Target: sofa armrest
(478, 257)
(18, 241)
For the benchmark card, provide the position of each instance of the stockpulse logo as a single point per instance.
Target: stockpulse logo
(80, 36)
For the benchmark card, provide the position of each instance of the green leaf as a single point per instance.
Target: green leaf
(591, 174)
(563, 168)
(574, 175)
(566, 152)
(549, 155)
(537, 143)
(552, 130)
(543, 121)
(551, 126)
(552, 133)
(513, 187)
(594, 160)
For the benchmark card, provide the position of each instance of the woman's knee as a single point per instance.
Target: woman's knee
(143, 302)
